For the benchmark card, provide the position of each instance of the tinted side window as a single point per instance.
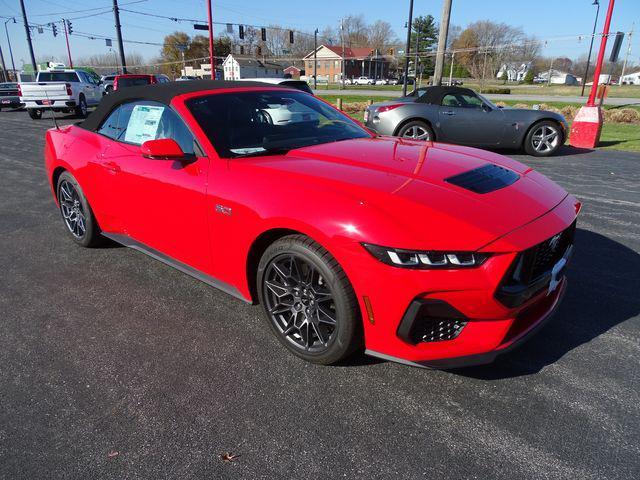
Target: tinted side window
(137, 122)
(462, 101)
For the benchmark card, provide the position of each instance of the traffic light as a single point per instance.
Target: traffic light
(290, 36)
(69, 27)
(54, 29)
(259, 50)
(241, 32)
(241, 49)
(390, 52)
(263, 32)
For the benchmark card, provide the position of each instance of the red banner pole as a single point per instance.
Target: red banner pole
(603, 46)
(212, 57)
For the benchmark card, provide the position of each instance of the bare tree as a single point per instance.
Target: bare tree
(381, 35)
(355, 31)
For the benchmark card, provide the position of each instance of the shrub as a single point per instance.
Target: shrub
(624, 115)
(528, 77)
(502, 91)
(569, 112)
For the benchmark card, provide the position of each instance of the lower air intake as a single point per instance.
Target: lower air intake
(437, 330)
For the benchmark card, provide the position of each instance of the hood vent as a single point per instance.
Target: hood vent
(485, 179)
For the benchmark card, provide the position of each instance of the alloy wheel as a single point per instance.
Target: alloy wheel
(300, 303)
(72, 210)
(416, 132)
(545, 138)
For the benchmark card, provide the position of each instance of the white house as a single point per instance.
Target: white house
(235, 68)
(631, 79)
(515, 72)
(558, 78)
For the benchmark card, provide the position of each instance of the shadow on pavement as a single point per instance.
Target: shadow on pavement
(603, 292)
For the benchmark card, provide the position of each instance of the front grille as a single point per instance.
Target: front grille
(530, 270)
(540, 259)
(437, 330)
(488, 178)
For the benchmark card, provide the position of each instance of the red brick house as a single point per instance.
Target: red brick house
(362, 61)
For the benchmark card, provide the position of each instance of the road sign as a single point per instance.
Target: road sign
(200, 26)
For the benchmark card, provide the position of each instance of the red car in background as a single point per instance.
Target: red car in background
(423, 253)
(137, 80)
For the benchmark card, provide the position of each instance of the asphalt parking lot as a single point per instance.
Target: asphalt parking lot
(113, 365)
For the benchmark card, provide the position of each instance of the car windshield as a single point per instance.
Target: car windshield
(57, 77)
(268, 122)
(487, 101)
(133, 81)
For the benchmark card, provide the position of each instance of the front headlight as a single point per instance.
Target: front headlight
(425, 259)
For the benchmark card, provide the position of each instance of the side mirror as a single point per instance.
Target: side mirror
(163, 148)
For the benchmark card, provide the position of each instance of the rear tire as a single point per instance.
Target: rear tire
(543, 139)
(76, 212)
(35, 113)
(308, 300)
(81, 109)
(417, 130)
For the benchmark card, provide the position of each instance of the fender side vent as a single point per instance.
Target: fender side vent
(485, 179)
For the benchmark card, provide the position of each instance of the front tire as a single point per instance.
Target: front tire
(543, 139)
(308, 300)
(76, 213)
(35, 113)
(417, 130)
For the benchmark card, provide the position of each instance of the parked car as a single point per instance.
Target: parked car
(186, 78)
(136, 80)
(460, 115)
(107, 83)
(61, 90)
(427, 254)
(382, 81)
(283, 82)
(10, 95)
(364, 81)
(392, 81)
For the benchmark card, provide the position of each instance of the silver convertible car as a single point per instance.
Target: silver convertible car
(460, 115)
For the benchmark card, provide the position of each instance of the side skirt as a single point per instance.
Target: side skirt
(183, 267)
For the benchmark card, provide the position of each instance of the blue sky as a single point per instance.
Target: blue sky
(545, 19)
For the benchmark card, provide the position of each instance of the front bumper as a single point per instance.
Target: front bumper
(490, 326)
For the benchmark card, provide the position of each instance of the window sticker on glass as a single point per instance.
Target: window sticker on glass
(143, 124)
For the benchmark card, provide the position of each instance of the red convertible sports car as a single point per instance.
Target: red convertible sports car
(423, 253)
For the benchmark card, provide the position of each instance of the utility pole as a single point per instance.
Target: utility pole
(442, 41)
(453, 54)
(416, 58)
(5, 78)
(66, 36)
(13, 65)
(593, 36)
(212, 57)
(315, 59)
(116, 14)
(407, 50)
(28, 32)
(626, 57)
(342, 70)
(550, 68)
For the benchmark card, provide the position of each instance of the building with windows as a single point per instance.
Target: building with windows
(235, 68)
(358, 62)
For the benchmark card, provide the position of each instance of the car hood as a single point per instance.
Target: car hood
(405, 183)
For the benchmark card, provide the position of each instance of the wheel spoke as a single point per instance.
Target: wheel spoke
(317, 330)
(278, 290)
(325, 317)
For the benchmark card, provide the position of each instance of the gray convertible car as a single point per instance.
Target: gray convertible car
(460, 115)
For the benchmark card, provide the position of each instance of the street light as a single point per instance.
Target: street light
(13, 65)
(595, 24)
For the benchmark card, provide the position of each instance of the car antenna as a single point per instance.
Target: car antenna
(53, 114)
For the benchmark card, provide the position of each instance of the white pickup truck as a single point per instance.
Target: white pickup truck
(61, 90)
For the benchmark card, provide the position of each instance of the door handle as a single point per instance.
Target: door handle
(448, 112)
(111, 166)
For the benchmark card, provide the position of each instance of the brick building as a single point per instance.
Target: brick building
(359, 62)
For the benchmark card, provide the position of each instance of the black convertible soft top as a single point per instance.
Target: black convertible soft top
(161, 92)
(434, 95)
